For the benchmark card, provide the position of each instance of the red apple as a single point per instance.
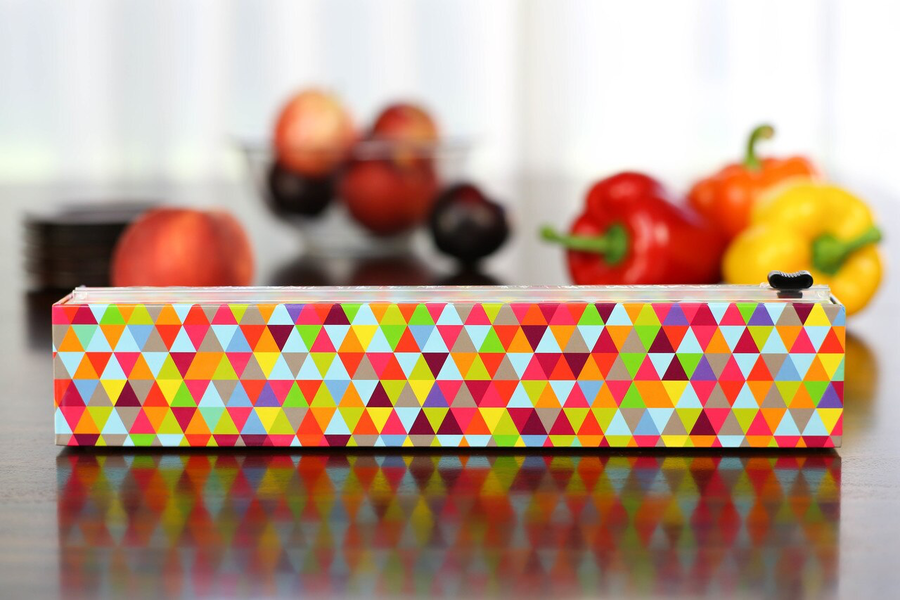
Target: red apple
(183, 247)
(313, 134)
(405, 123)
(387, 198)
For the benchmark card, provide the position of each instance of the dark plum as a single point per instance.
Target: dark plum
(466, 225)
(291, 193)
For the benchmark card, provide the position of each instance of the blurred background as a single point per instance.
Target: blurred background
(105, 101)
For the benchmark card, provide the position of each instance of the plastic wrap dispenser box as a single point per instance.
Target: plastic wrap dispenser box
(657, 366)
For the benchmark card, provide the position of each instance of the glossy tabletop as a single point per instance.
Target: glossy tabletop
(78, 523)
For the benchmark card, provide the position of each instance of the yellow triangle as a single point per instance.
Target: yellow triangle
(169, 387)
(266, 361)
(364, 333)
(817, 316)
(113, 388)
(831, 363)
(421, 389)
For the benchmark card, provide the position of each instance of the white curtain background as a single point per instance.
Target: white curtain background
(554, 93)
(128, 90)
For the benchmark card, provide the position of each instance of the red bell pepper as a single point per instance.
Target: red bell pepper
(630, 233)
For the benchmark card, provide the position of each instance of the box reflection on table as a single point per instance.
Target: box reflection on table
(339, 524)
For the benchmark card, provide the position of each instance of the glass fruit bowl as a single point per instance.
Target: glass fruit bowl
(370, 203)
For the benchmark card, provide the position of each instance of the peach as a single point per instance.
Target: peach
(313, 133)
(183, 247)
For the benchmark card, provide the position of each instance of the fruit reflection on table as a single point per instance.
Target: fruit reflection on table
(337, 524)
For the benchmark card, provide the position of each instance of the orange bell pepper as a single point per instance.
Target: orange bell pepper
(727, 198)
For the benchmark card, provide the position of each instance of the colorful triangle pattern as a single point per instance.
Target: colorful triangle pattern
(564, 374)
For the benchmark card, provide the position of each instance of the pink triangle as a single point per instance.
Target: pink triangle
(435, 309)
(759, 426)
(618, 389)
(449, 388)
(323, 343)
(731, 372)
(197, 387)
(224, 316)
(477, 316)
(393, 425)
(196, 333)
(281, 388)
(803, 344)
(534, 371)
(142, 424)
(562, 316)
(449, 333)
(732, 316)
(127, 361)
(647, 372)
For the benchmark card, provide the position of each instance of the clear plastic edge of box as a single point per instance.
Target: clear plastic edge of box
(426, 294)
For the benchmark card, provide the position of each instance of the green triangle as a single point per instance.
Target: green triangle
(760, 334)
(142, 439)
(787, 389)
(295, 398)
(689, 362)
(477, 372)
(745, 416)
(84, 333)
(421, 316)
(169, 424)
(350, 310)
(393, 316)
(604, 416)
(183, 397)
(746, 309)
(323, 398)
(633, 398)
(491, 343)
(633, 361)
(112, 316)
(309, 333)
(647, 316)
(281, 425)
(323, 361)
(393, 333)
(393, 389)
(492, 309)
(590, 316)
(534, 389)
(225, 425)
(506, 441)
(505, 426)
(211, 414)
(647, 333)
(169, 371)
(816, 389)
(140, 316)
(435, 416)
(421, 372)
(224, 371)
(238, 310)
(688, 417)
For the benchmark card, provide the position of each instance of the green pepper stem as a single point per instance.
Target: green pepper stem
(612, 245)
(763, 132)
(829, 253)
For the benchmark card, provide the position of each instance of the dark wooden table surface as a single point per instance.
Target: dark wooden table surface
(83, 523)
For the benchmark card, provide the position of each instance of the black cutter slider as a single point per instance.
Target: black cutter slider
(790, 285)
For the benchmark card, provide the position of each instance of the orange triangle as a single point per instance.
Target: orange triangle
(141, 370)
(70, 342)
(717, 344)
(112, 333)
(816, 372)
(519, 342)
(365, 426)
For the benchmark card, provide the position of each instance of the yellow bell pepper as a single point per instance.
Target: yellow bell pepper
(815, 227)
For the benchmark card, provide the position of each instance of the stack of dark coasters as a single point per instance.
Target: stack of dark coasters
(73, 245)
